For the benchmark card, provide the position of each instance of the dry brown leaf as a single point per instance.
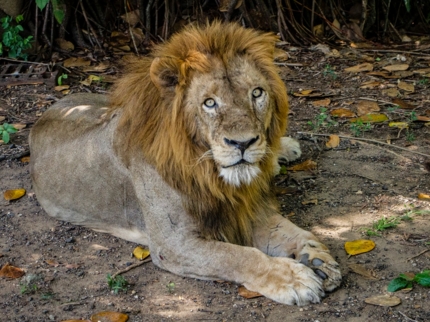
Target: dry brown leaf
(383, 300)
(10, 271)
(305, 92)
(14, 194)
(422, 71)
(244, 292)
(370, 84)
(61, 88)
(19, 126)
(342, 112)
(140, 253)
(406, 86)
(382, 74)
(391, 92)
(75, 321)
(370, 118)
(363, 271)
(97, 68)
(64, 44)
(131, 17)
(304, 166)
(109, 317)
(403, 74)
(51, 262)
(2, 118)
(25, 159)
(72, 266)
(310, 202)
(359, 246)
(366, 107)
(323, 103)
(76, 62)
(333, 141)
(423, 118)
(396, 67)
(364, 67)
(403, 104)
(424, 196)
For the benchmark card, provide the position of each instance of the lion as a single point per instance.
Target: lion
(180, 157)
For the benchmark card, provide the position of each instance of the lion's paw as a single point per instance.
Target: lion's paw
(290, 150)
(316, 256)
(289, 282)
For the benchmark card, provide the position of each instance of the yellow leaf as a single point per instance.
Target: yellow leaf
(90, 79)
(333, 141)
(307, 165)
(359, 246)
(140, 253)
(423, 196)
(14, 194)
(366, 107)
(324, 102)
(109, 317)
(244, 292)
(371, 118)
(342, 112)
(396, 67)
(365, 67)
(406, 86)
(400, 125)
(383, 300)
(10, 271)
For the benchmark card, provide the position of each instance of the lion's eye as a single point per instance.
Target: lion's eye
(257, 92)
(210, 102)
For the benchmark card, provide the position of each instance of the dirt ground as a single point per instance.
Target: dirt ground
(354, 185)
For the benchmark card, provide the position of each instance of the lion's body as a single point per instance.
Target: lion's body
(181, 159)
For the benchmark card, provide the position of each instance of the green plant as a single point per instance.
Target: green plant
(117, 283)
(57, 7)
(12, 41)
(321, 120)
(393, 108)
(412, 116)
(25, 288)
(170, 287)
(423, 81)
(5, 131)
(329, 71)
(61, 78)
(359, 127)
(410, 137)
(383, 224)
(407, 280)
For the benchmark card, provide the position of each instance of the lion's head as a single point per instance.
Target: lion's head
(207, 109)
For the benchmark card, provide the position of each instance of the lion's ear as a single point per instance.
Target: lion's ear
(162, 75)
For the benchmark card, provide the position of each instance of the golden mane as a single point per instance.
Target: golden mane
(150, 100)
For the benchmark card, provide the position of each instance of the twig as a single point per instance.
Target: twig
(419, 254)
(131, 267)
(26, 62)
(376, 100)
(367, 140)
(407, 317)
(129, 28)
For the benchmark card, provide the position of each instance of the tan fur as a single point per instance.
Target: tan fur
(163, 131)
(180, 158)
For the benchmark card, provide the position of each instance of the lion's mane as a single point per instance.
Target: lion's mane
(150, 100)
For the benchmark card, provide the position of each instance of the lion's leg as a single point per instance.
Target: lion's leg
(290, 150)
(281, 238)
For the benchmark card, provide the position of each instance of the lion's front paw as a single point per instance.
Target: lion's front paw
(289, 282)
(290, 149)
(316, 256)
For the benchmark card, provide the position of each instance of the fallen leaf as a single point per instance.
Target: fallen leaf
(402, 74)
(382, 74)
(61, 87)
(19, 126)
(403, 104)
(72, 266)
(51, 262)
(109, 317)
(76, 62)
(131, 17)
(359, 246)
(75, 321)
(422, 71)
(383, 300)
(10, 271)
(97, 68)
(304, 166)
(13, 194)
(423, 196)
(363, 271)
(99, 247)
(366, 107)
(423, 118)
(333, 141)
(391, 92)
(371, 118)
(323, 103)
(370, 84)
(140, 253)
(2, 118)
(406, 86)
(364, 67)
(310, 202)
(25, 159)
(342, 112)
(244, 292)
(396, 67)
(90, 79)
(305, 92)
(400, 125)
(64, 44)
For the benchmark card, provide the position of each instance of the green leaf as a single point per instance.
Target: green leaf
(41, 4)
(423, 278)
(397, 284)
(408, 5)
(5, 137)
(59, 15)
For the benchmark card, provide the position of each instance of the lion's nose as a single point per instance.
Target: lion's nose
(241, 145)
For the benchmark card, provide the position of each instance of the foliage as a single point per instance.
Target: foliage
(5, 131)
(117, 283)
(329, 72)
(383, 224)
(27, 288)
(171, 287)
(407, 280)
(12, 41)
(57, 7)
(321, 120)
(60, 79)
(359, 127)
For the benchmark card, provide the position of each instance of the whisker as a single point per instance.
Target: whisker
(207, 155)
